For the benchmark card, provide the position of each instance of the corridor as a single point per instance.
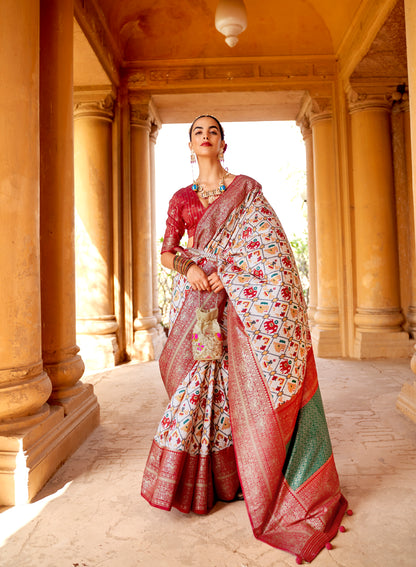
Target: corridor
(90, 513)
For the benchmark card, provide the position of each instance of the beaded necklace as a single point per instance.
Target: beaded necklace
(205, 193)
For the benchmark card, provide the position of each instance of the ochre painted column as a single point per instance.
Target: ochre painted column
(411, 311)
(378, 317)
(96, 321)
(406, 401)
(147, 343)
(25, 417)
(155, 254)
(60, 352)
(326, 336)
(313, 282)
(404, 209)
(125, 225)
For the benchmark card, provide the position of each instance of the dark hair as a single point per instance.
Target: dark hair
(207, 116)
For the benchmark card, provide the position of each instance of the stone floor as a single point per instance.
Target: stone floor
(90, 513)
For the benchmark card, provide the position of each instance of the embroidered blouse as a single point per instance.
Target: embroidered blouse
(184, 213)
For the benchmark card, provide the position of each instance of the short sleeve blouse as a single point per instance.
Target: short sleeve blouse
(184, 213)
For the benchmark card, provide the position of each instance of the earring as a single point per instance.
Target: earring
(193, 162)
(221, 156)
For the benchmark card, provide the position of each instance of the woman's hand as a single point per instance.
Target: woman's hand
(215, 282)
(198, 279)
(201, 282)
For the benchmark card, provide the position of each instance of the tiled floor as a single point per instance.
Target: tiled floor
(90, 513)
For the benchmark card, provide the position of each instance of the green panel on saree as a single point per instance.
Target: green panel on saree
(310, 446)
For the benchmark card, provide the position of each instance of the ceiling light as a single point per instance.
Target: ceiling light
(231, 19)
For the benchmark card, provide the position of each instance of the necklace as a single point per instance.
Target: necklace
(213, 194)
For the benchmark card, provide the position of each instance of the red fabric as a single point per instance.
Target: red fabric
(300, 521)
(184, 213)
(189, 482)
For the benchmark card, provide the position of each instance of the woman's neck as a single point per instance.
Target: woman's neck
(209, 171)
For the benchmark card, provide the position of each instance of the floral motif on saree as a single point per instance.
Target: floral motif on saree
(255, 417)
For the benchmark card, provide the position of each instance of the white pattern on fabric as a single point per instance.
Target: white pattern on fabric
(197, 418)
(265, 289)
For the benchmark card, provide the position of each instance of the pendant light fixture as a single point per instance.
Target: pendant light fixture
(231, 19)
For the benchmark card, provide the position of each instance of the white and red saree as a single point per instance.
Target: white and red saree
(255, 417)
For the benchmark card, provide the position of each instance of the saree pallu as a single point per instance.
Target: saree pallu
(254, 418)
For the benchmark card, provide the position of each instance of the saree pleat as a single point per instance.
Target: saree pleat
(192, 462)
(255, 418)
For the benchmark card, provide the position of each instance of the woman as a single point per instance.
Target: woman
(253, 418)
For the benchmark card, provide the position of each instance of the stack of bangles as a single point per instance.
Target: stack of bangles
(182, 265)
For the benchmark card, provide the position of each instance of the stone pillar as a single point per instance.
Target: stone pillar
(406, 401)
(378, 316)
(25, 417)
(60, 352)
(313, 283)
(410, 148)
(411, 311)
(155, 254)
(404, 209)
(147, 344)
(326, 336)
(96, 321)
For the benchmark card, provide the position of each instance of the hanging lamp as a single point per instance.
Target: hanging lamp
(231, 19)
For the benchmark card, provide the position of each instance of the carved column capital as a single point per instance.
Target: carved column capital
(319, 108)
(305, 126)
(366, 97)
(100, 108)
(143, 112)
(139, 116)
(400, 99)
(154, 132)
(312, 110)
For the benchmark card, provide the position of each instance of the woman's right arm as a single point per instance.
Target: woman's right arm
(195, 275)
(167, 260)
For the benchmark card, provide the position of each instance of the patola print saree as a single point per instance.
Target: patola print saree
(254, 417)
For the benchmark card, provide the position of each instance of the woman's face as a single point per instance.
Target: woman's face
(206, 137)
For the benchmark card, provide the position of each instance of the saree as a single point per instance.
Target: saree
(255, 417)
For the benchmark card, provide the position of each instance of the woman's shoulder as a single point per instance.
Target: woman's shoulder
(181, 194)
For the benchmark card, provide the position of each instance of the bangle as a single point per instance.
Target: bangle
(182, 265)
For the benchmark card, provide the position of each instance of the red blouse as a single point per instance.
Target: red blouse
(184, 213)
